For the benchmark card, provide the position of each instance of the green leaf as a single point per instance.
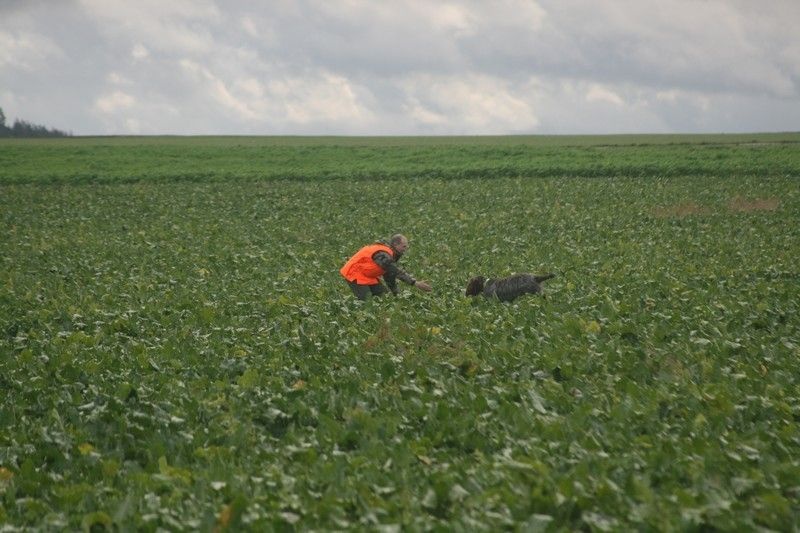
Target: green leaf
(97, 518)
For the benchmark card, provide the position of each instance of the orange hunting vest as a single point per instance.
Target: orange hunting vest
(362, 269)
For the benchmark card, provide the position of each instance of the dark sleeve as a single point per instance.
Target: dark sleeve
(392, 271)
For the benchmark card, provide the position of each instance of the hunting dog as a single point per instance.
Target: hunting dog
(507, 289)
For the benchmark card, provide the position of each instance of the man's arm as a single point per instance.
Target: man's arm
(392, 271)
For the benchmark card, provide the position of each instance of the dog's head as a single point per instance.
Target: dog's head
(475, 286)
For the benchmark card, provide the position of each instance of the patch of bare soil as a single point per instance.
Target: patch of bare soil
(681, 210)
(745, 205)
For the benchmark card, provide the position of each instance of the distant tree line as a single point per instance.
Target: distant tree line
(22, 128)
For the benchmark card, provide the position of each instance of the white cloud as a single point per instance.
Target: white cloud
(418, 113)
(326, 97)
(683, 98)
(10, 101)
(598, 93)
(250, 87)
(176, 26)
(404, 67)
(471, 103)
(26, 51)
(667, 96)
(113, 102)
(315, 98)
(115, 78)
(139, 51)
(494, 16)
(133, 126)
(217, 90)
(249, 26)
(449, 17)
(710, 46)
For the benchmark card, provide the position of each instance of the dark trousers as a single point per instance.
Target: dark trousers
(363, 292)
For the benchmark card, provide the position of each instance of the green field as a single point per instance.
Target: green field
(179, 352)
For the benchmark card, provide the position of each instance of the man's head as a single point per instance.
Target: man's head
(399, 242)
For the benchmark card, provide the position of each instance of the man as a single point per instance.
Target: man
(364, 270)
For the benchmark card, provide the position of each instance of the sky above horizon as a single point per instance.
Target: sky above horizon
(406, 67)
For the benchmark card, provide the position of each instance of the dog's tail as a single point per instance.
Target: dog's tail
(544, 277)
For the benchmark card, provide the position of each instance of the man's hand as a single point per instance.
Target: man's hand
(421, 285)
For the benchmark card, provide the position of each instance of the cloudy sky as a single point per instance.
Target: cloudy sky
(401, 67)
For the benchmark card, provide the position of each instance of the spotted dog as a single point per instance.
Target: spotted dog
(507, 289)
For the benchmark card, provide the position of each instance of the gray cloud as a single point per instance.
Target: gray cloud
(406, 67)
